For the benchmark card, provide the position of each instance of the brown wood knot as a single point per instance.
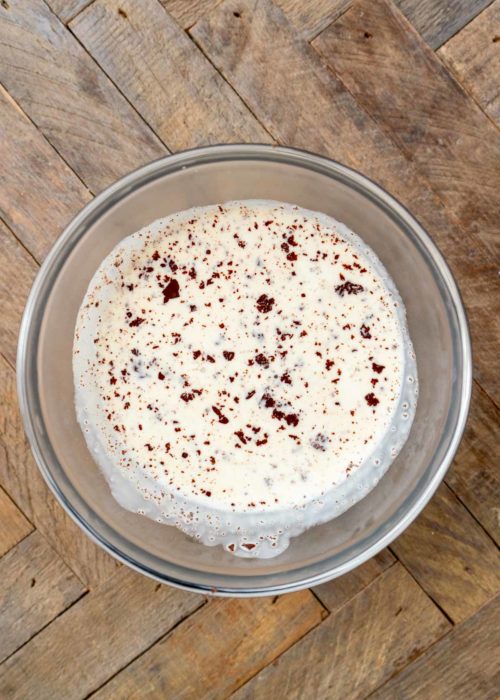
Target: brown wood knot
(367, 35)
(494, 40)
(5, 4)
(33, 580)
(237, 15)
(122, 13)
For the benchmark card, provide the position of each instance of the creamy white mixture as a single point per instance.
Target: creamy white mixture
(241, 360)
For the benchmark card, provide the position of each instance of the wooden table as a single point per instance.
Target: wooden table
(408, 93)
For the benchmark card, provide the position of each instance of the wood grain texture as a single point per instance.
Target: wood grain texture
(23, 268)
(474, 56)
(397, 79)
(338, 592)
(95, 638)
(239, 638)
(309, 18)
(357, 648)
(22, 480)
(186, 13)
(264, 58)
(67, 9)
(450, 556)
(436, 21)
(31, 165)
(13, 525)
(461, 666)
(36, 587)
(474, 475)
(178, 92)
(69, 98)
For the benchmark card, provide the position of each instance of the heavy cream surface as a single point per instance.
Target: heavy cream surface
(236, 365)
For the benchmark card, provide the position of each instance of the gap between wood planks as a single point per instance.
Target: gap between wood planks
(429, 595)
(19, 241)
(26, 116)
(172, 26)
(348, 619)
(149, 646)
(68, 28)
(459, 28)
(4, 357)
(441, 58)
(84, 594)
(422, 121)
(469, 56)
(315, 26)
(24, 537)
(197, 612)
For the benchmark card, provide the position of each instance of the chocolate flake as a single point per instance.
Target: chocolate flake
(171, 291)
(136, 322)
(348, 288)
(222, 418)
(264, 304)
(371, 399)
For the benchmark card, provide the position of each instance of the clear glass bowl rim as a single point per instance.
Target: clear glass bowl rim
(27, 352)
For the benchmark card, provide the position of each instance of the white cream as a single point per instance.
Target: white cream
(243, 371)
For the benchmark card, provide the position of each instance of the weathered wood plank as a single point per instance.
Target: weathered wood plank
(357, 648)
(69, 98)
(461, 666)
(67, 9)
(338, 592)
(36, 586)
(178, 92)
(22, 268)
(21, 479)
(436, 21)
(187, 13)
(450, 556)
(237, 638)
(95, 638)
(39, 193)
(396, 77)
(309, 18)
(13, 525)
(264, 58)
(474, 56)
(474, 475)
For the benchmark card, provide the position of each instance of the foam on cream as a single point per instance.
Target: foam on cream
(243, 371)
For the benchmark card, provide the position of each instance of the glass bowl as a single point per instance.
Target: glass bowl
(437, 324)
